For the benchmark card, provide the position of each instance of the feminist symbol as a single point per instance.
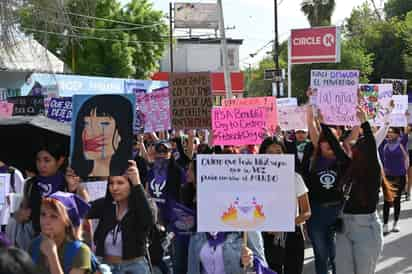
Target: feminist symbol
(157, 188)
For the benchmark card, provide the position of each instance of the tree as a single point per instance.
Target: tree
(318, 12)
(128, 43)
(397, 8)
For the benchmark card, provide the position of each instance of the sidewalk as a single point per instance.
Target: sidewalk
(397, 251)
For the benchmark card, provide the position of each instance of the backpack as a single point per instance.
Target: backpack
(70, 251)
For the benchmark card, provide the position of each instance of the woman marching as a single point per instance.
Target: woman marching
(125, 220)
(58, 250)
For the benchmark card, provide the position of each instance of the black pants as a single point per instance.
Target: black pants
(287, 260)
(397, 182)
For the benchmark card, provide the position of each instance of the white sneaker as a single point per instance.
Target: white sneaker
(396, 227)
(385, 229)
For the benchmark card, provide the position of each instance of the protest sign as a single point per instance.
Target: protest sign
(375, 100)
(336, 95)
(191, 100)
(60, 109)
(96, 189)
(238, 125)
(27, 105)
(398, 116)
(246, 193)
(6, 109)
(4, 187)
(102, 134)
(293, 102)
(269, 103)
(139, 119)
(154, 107)
(291, 118)
(400, 86)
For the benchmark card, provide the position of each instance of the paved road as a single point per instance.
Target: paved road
(397, 252)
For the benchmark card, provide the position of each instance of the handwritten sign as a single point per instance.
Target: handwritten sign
(269, 103)
(4, 187)
(96, 189)
(375, 100)
(27, 105)
(191, 100)
(246, 193)
(291, 118)
(293, 102)
(6, 109)
(336, 95)
(238, 125)
(155, 108)
(398, 116)
(400, 86)
(60, 109)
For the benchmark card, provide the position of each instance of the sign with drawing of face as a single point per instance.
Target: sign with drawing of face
(102, 134)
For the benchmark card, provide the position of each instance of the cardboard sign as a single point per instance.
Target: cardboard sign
(246, 193)
(400, 86)
(292, 102)
(269, 103)
(96, 189)
(102, 134)
(398, 116)
(292, 118)
(191, 100)
(27, 105)
(4, 187)
(336, 95)
(375, 100)
(6, 109)
(155, 109)
(238, 125)
(60, 109)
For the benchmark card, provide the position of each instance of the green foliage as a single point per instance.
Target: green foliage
(397, 8)
(122, 51)
(318, 12)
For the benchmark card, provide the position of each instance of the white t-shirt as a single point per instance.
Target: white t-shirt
(300, 189)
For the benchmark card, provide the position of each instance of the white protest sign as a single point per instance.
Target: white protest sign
(293, 102)
(291, 118)
(336, 95)
(398, 116)
(4, 187)
(246, 193)
(96, 189)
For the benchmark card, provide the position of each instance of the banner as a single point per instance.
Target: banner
(154, 108)
(191, 100)
(315, 45)
(400, 86)
(27, 105)
(246, 193)
(60, 109)
(238, 125)
(102, 134)
(6, 109)
(336, 95)
(269, 103)
(291, 118)
(375, 100)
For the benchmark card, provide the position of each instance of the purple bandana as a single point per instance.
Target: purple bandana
(51, 184)
(4, 169)
(216, 239)
(76, 207)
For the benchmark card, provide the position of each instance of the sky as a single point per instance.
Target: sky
(254, 21)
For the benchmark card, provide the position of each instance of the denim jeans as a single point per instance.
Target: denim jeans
(135, 267)
(180, 246)
(359, 246)
(322, 236)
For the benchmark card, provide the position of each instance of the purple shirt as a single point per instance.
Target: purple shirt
(394, 156)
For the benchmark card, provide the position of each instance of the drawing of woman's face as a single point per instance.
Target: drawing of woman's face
(100, 137)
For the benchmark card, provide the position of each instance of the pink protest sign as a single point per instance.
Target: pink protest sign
(338, 105)
(155, 107)
(6, 109)
(267, 102)
(238, 125)
(291, 118)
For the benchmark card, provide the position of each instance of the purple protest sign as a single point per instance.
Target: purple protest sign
(60, 109)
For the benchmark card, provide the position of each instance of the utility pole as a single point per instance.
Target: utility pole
(228, 83)
(278, 72)
(171, 35)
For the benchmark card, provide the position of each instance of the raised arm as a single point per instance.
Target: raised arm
(312, 127)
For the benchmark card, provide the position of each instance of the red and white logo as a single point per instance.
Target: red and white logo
(315, 45)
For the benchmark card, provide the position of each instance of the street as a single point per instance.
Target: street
(397, 251)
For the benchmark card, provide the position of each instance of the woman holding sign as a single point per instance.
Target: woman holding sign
(285, 251)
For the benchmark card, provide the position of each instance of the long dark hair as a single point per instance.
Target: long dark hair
(121, 110)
